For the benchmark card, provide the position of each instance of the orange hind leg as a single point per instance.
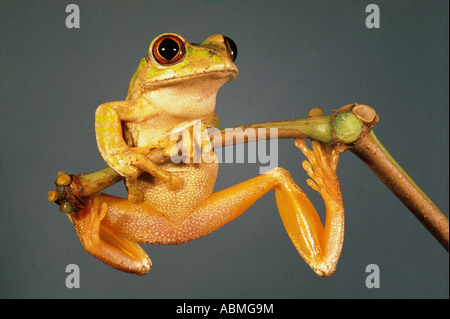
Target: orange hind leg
(110, 227)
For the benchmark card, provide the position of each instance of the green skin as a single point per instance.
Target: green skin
(142, 63)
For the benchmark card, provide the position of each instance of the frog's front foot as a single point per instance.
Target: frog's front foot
(131, 164)
(135, 195)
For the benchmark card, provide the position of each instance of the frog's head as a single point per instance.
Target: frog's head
(175, 63)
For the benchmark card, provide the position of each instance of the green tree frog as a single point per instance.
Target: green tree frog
(174, 203)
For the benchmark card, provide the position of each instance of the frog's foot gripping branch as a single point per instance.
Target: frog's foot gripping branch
(320, 246)
(74, 191)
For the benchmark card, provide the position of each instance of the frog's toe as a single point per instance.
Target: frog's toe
(136, 197)
(173, 182)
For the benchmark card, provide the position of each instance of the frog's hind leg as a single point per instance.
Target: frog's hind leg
(110, 227)
(319, 245)
(104, 244)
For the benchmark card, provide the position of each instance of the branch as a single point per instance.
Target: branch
(348, 128)
(373, 153)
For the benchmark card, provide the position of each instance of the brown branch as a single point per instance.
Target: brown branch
(371, 152)
(72, 190)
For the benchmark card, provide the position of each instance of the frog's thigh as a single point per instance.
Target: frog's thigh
(224, 206)
(142, 223)
(299, 216)
(297, 212)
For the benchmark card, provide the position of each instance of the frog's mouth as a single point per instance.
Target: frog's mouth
(223, 76)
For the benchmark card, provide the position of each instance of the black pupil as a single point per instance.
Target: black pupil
(168, 49)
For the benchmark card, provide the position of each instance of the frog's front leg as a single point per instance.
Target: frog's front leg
(126, 161)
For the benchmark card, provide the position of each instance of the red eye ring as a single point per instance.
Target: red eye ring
(168, 49)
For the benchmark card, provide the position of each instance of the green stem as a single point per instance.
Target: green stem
(318, 128)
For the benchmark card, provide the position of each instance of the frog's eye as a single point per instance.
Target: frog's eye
(231, 47)
(168, 49)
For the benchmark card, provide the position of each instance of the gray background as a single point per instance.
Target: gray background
(293, 55)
